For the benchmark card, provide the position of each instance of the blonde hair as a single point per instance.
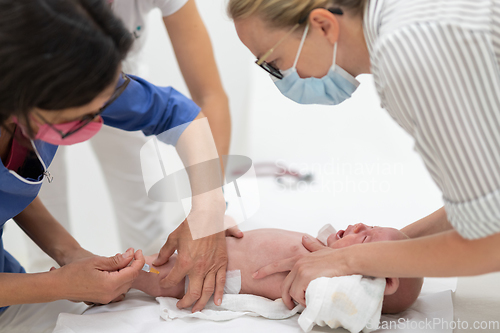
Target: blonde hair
(285, 13)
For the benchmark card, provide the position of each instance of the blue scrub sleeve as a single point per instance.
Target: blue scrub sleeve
(10, 265)
(152, 109)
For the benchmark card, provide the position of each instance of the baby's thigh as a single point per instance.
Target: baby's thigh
(259, 248)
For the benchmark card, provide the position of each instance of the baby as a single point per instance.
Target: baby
(261, 247)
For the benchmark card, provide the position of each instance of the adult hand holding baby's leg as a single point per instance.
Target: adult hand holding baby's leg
(204, 260)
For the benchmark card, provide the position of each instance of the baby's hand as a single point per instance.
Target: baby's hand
(232, 229)
(234, 232)
(312, 244)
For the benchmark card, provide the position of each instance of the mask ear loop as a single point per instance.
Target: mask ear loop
(301, 45)
(334, 56)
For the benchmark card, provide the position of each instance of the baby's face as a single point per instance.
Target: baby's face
(361, 233)
(400, 294)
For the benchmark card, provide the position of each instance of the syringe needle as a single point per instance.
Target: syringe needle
(149, 269)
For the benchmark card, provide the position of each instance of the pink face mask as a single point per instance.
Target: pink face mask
(48, 134)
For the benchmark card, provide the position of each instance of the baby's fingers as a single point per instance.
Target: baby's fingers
(284, 265)
(285, 290)
(234, 232)
(312, 244)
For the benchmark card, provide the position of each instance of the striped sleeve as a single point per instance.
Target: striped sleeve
(441, 82)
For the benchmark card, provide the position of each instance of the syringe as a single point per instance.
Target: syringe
(149, 269)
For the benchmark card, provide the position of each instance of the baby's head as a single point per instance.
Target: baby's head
(400, 293)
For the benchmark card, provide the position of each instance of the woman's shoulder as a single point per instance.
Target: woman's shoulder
(393, 15)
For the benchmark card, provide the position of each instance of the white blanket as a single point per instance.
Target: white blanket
(352, 302)
(140, 313)
(232, 306)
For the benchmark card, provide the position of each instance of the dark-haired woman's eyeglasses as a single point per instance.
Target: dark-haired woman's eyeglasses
(123, 82)
(270, 68)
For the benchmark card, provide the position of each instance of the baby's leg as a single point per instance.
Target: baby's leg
(259, 248)
(150, 282)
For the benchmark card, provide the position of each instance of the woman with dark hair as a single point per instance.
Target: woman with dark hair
(60, 81)
(141, 220)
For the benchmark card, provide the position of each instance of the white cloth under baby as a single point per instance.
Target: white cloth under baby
(232, 307)
(352, 302)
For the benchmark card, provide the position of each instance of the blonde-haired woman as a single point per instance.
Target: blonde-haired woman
(436, 69)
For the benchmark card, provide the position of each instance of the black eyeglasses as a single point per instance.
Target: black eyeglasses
(270, 68)
(123, 82)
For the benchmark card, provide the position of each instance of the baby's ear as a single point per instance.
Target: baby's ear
(391, 285)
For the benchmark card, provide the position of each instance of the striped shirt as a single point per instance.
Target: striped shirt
(436, 67)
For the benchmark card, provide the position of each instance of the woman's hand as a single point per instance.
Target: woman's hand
(322, 262)
(287, 264)
(99, 279)
(77, 254)
(204, 260)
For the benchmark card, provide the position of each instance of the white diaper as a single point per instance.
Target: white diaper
(233, 282)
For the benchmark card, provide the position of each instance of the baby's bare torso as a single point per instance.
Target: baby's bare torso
(259, 248)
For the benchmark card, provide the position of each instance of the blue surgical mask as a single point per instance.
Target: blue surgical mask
(332, 89)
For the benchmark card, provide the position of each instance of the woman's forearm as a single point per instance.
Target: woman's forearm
(432, 224)
(194, 53)
(28, 288)
(216, 109)
(93, 279)
(445, 254)
(47, 233)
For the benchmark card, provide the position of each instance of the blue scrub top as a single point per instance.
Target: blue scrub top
(142, 106)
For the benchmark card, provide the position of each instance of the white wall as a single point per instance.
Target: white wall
(364, 164)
